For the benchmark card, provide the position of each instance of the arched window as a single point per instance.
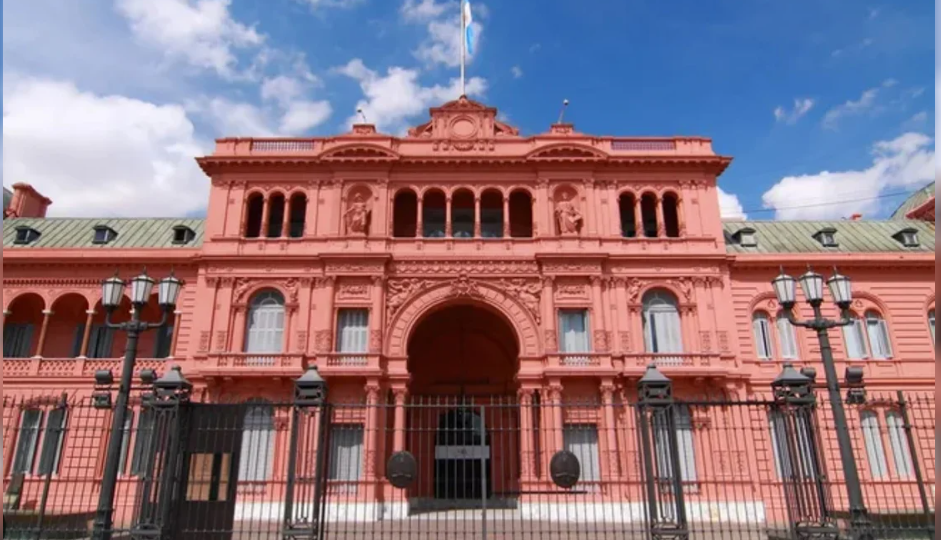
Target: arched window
(671, 217)
(462, 214)
(491, 214)
(298, 208)
(275, 215)
(662, 332)
(761, 327)
(254, 209)
(648, 212)
(898, 441)
(878, 331)
(433, 214)
(258, 436)
(931, 325)
(521, 214)
(405, 214)
(626, 206)
(787, 338)
(265, 325)
(683, 426)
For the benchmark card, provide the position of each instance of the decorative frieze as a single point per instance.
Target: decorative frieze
(457, 267)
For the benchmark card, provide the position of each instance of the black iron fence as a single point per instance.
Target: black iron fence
(632, 464)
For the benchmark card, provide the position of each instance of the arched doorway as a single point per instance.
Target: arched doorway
(463, 350)
(463, 422)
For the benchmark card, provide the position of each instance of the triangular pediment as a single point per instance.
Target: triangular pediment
(463, 119)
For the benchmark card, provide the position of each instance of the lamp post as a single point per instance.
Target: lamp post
(812, 284)
(112, 292)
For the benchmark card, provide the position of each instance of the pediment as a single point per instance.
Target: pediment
(463, 120)
(566, 152)
(359, 151)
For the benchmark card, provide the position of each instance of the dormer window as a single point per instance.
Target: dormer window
(104, 234)
(826, 237)
(747, 237)
(908, 237)
(26, 235)
(183, 235)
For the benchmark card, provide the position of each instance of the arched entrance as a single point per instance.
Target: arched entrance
(463, 425)
(463, 350)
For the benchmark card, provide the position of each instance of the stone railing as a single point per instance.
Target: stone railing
(675, 360)
(578, 360)
(251, 364)
(76, 367)
(348, 360)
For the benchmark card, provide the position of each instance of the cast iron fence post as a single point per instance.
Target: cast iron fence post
(310, 393)
(799, 459)
(657, 423)
(916, 464)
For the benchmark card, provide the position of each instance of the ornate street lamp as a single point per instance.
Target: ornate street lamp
(112, 292)
(841, 291)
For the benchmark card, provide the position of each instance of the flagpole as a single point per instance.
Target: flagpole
(463, 38)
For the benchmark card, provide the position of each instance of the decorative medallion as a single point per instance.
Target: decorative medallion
(401, 469)
(565, 469)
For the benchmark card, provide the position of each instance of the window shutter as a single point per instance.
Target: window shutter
(30, 421)
(879, 338)
(52, 441)
(684, 441)
(874, 449)
(142, 443)
(853, 337)
(762, 336)
(257, 444)
(77, 340)
(265, 334)
(582, 440)
(353, 331)
(787, 337)
(162, 341)
(899, 441)
(667, 335)
(782, 462)
(346, 452)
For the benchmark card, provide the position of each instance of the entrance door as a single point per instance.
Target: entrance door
(462, 456)
(210, 468)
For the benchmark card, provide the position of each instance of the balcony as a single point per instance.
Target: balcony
(55, 368)
(681, 363)
(348, 363)
(251, 365)
(581, 362)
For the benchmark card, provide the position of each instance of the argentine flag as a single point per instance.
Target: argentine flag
(468, 30)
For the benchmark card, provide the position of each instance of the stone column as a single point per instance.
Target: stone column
(329, 316)
(398, 430)
(542, 200)
(660, 226)
(506, 216)
(419, 222)
(238, 328)
(551, 340)
(681, 215)
(598, 326)
(289, 311)
(371, 436)
(379, 225)
(623, 316)
(526, 434)
(264, 217)
(313, 208)
(86, 335)
(591, 219)
(477, 216)
(286, 218)
(638, 218)
(610, 429)
(46, 315)
(376, 319)
(447, 216)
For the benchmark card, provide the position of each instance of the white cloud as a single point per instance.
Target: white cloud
(301, 116)
(202, 32)
(729, 206)
(97, 155)
(233, 118)
(517, 72)
(422, 10)
(391, 100)
(801, 107)
(905, 162)
(916, 121)
(851, 108)
(315, 4)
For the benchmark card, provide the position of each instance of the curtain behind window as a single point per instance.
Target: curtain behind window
(873, 442)
(257, 444)
(582, 440)
(30, 422)
(353, 331)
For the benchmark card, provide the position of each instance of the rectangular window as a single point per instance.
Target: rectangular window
(353, 331)
(574, 335)
(30, 423)
(874, 449)
(52, 440)
(792, 446)
(100, 341)
(346, 453)
(142, 442)
(582, 440)
(878, 338)
(762, 331)
(17, 340)
(787, 337)
(898, 439)
(854, 338)
(684, 442)
(257, 454)
(162, 341)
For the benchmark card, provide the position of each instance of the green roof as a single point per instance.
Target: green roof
(914, 201)
(80, 233)
(851, 236)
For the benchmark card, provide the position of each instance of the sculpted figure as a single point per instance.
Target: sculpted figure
(357, 216)
(567, 216)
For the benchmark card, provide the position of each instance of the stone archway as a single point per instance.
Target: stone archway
(463, 348)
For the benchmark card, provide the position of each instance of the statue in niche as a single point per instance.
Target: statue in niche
(357, 216)
(567, 216)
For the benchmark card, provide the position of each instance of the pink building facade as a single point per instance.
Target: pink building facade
(465, 259)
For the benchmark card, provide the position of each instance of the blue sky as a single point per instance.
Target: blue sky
(826, 105)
